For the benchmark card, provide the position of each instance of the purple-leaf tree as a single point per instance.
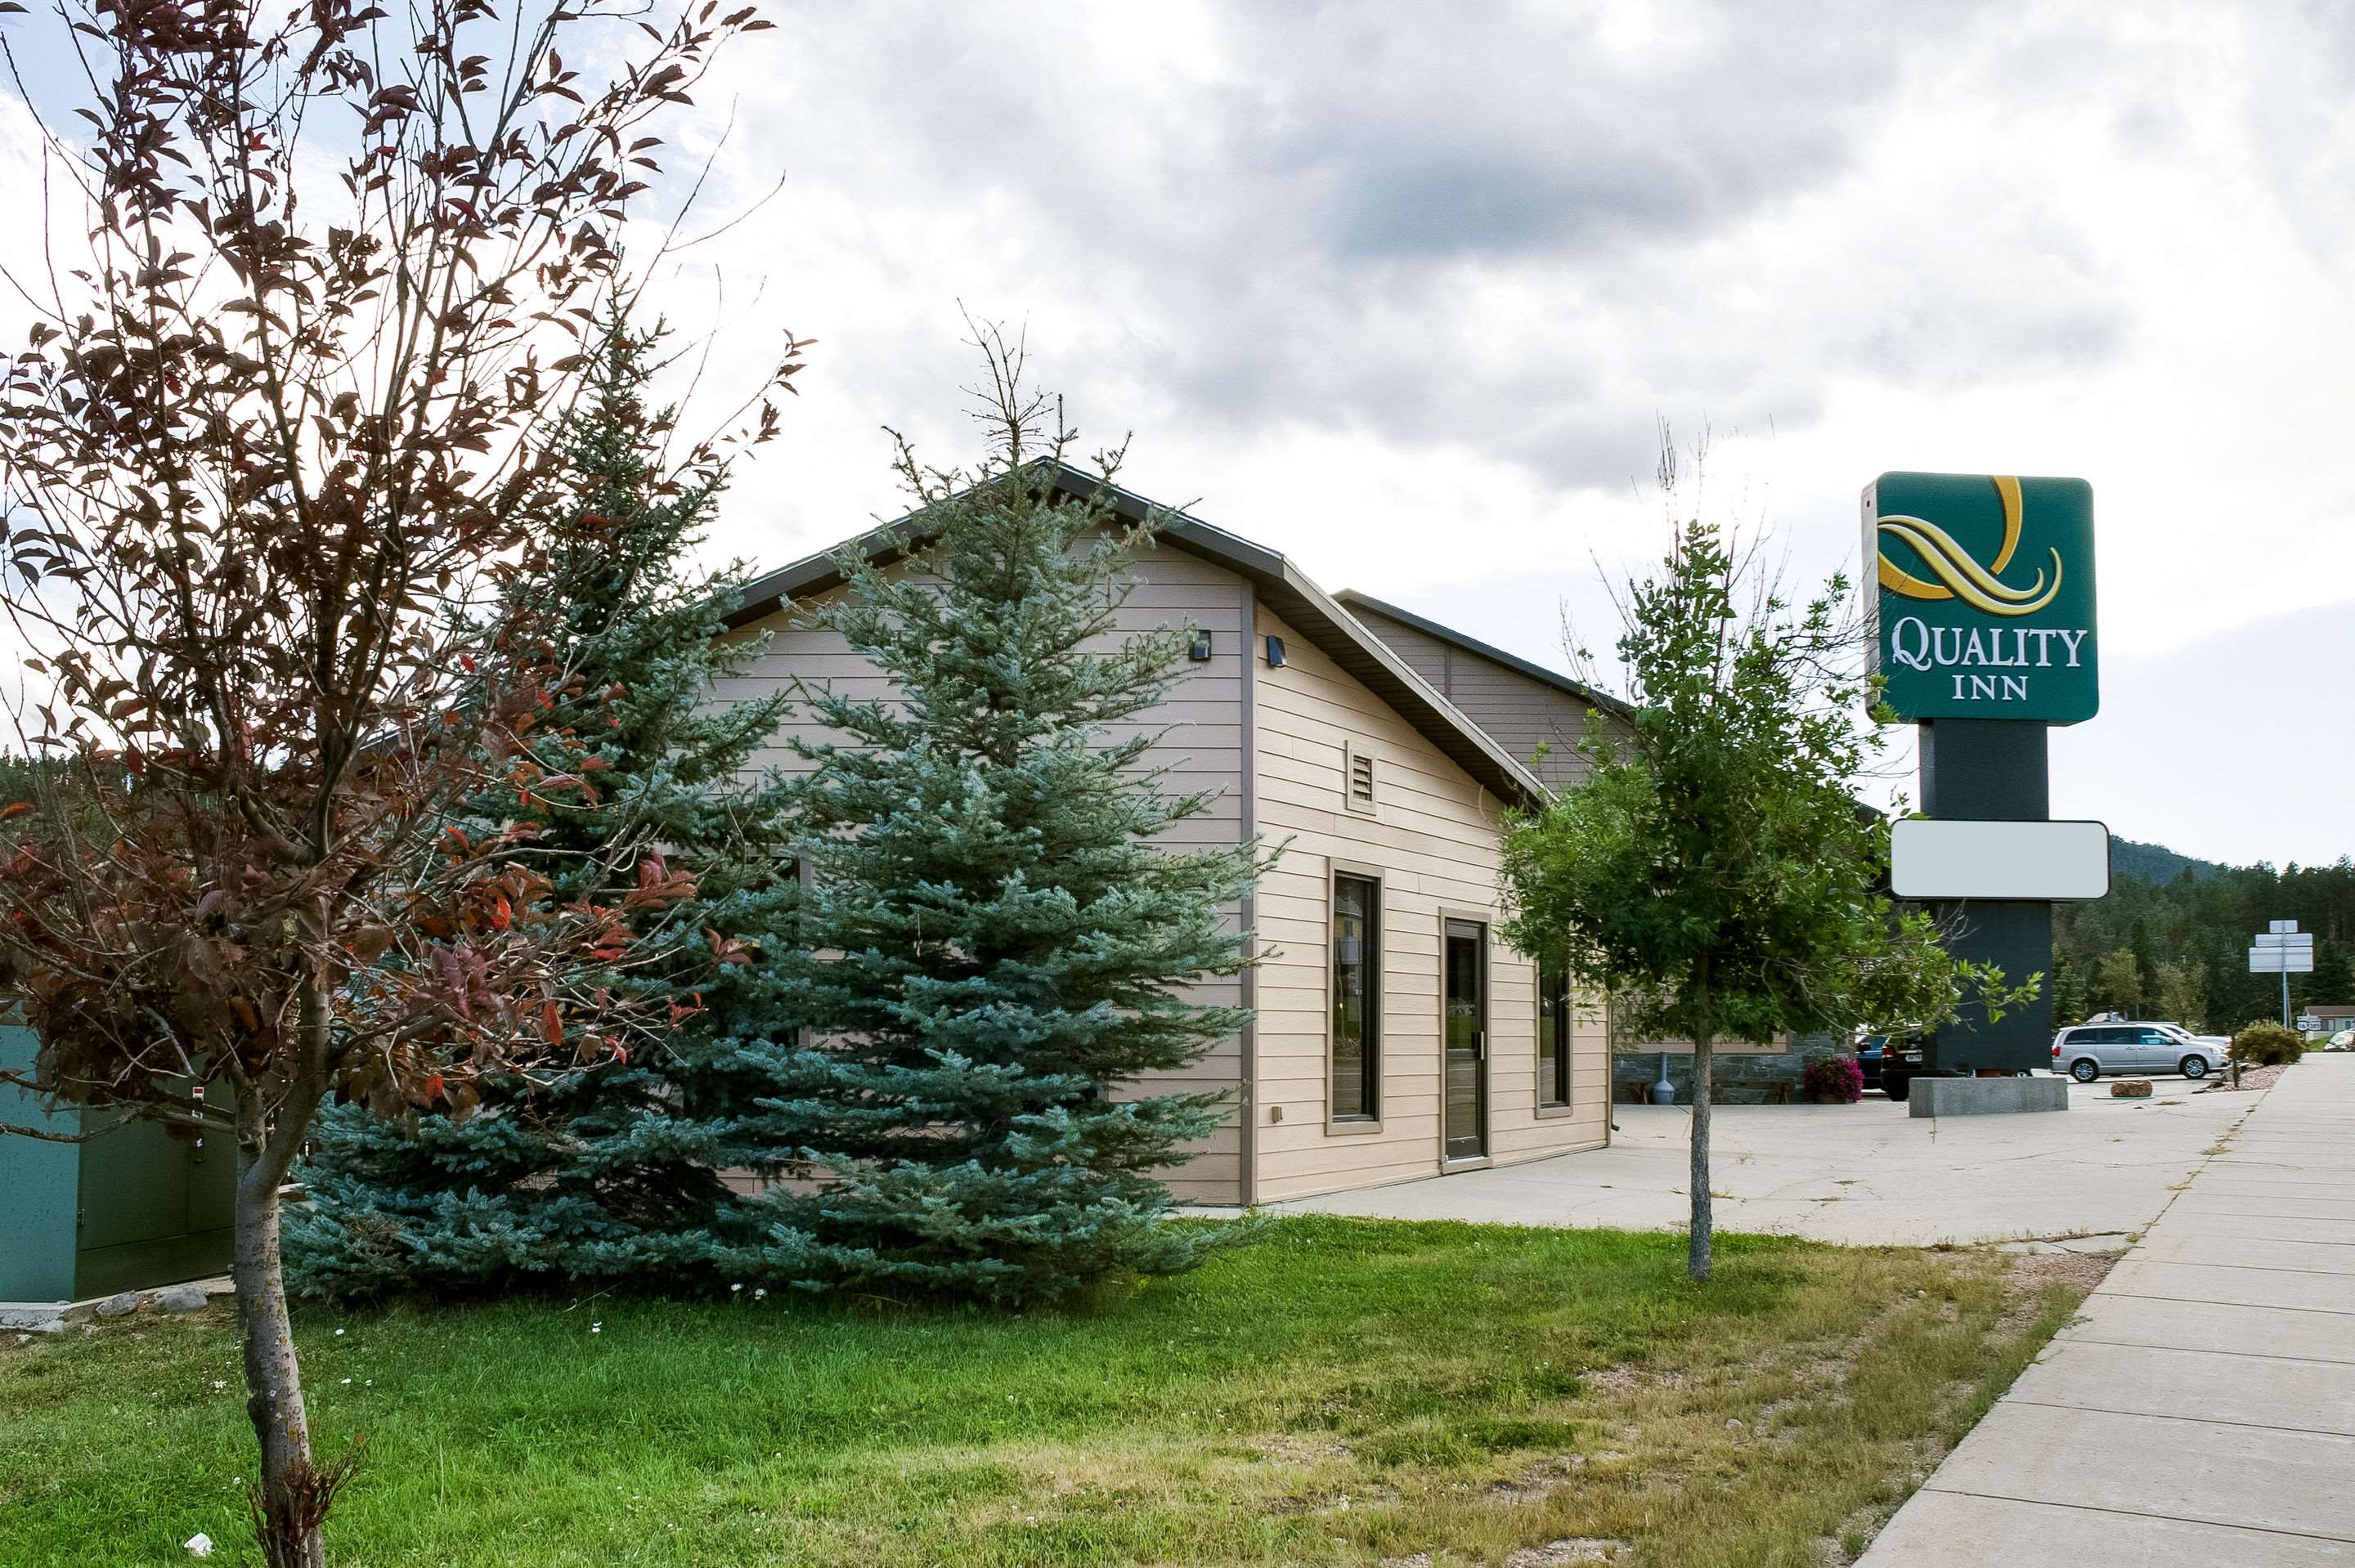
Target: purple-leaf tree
(271, 457)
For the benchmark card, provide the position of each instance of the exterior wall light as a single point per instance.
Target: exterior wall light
(1200, 650)
(1275, 652)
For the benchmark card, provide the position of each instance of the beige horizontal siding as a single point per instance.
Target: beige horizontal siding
(1517, 711)
(1199, 742)
(1432, 839)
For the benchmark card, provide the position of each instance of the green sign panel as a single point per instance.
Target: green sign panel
(1985, 602)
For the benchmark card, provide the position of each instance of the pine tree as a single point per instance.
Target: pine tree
(992, 948)
(614, 1171)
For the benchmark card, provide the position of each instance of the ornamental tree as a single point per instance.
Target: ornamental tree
(268, 461)
(1714, 873)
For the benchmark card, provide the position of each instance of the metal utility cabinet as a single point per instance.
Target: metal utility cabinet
(130, 1208)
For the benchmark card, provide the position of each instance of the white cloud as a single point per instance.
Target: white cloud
(1403, 291)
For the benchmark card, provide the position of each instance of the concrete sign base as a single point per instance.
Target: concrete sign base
(1986, 1097)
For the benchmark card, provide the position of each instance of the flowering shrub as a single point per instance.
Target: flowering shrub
(1834, 1078)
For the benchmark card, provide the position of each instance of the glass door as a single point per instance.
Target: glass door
(1467, 1076)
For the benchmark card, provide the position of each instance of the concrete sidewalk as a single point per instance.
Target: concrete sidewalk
(2202, 1409)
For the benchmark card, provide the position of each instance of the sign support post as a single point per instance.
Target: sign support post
(2283, 950)
(1993, 770)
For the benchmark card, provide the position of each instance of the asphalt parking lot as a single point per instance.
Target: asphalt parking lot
(1861, 1174)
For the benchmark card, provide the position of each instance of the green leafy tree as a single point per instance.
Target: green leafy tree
(1715, 874)
(2179, 995)
(611, 1170)
(2117, 983)
(995, 948)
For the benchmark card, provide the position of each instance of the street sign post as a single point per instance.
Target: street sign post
(1982, 631)
(2284, 951)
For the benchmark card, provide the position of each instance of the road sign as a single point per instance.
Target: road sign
(1985, 608)
(1930, 858)
(2282, 950)
(2308, 1023)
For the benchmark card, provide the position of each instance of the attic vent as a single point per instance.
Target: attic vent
(1361, 781)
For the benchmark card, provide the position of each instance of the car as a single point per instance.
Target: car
(1890, 1062)
(2087, 1050)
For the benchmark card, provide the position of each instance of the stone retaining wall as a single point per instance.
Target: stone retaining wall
(1736, 1079)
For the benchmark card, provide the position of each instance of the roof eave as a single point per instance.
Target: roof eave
(1296, 600)
(1351, 599)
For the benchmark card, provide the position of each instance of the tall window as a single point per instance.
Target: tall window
(1553, 1034)
(1357, 982)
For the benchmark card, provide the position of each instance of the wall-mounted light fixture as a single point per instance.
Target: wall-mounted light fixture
(1199, 650)
(1275, 652)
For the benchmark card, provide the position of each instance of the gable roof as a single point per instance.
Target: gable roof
(1355, 600)
(1308, 609)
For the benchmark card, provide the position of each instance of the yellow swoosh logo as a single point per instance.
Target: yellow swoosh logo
(1960, 577)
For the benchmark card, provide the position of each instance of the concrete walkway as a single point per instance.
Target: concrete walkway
(2202, 1410)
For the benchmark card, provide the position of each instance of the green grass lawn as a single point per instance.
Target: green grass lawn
(1342, 1391)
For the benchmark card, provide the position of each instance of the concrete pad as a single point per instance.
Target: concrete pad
(2238, 1287)
(2241, 1252)
(2272, 1331)
(1949, 1530)
(1987, 1096)
(2196, 1471)
(1864, 1175)
(2195, 1384)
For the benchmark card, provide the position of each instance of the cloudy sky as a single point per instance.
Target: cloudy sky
(1406, 290)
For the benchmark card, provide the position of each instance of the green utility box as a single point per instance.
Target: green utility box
(130, 1208)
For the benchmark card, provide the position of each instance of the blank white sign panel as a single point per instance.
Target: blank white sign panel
(1933, 859)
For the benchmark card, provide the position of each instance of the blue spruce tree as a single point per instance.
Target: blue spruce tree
(992, 950)
(611, 1172)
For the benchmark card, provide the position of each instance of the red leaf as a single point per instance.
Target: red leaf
(551, 1023)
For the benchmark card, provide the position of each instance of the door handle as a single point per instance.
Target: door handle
(1479, 1046)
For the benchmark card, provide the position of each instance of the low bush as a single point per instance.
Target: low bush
(1836, 1078)
(2267, 1045)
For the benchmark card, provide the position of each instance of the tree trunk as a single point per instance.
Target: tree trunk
(1696, 1257)
(290, 1500)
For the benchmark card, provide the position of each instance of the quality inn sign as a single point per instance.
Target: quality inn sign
(1984, 607)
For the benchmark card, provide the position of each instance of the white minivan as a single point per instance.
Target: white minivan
(2089, 1050)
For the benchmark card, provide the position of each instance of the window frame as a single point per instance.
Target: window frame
(1369, 1116)
(1560, 1074)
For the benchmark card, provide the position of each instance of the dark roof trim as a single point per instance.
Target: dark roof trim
(1280, 585)
(1355, 600)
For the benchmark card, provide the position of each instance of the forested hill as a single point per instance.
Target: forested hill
(2171, 939)
(2155, 863)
